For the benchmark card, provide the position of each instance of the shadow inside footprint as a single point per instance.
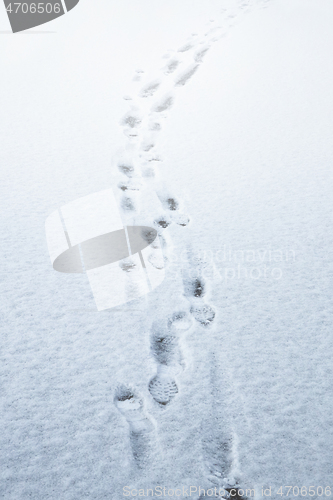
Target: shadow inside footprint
(194, 287)
(164, 349)
(148, 235)
(162, 222)
(126, 169)
(165, 103)
(198, 56)
(171, 66)
(173, 204)
(170, 203)
(198, 288)
(186, 75)
(186, 47)
(123, 393)
(150, 89)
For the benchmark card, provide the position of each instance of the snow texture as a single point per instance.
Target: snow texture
(212, 123)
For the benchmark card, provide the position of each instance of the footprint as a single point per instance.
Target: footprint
(138, 75)
(127, 204)
(162, 222)
(127, 265)
(199, 55)
(156, 260)
(195, 291)
(131, 119)
(186, 47)
(150, 89)
(147, 144)
(142, 435)
(133, 284)
(126, 169)
(149, 235)
(194, 288)
(171, 66)
(165, 350)
(165, 103)
(154, 126)
(170, 203)
(163, 387)
(164, 347)
(203, 313)
(186, 75)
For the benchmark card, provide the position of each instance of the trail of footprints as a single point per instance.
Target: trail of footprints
(149, 105)
(139, 167)
(165, 337)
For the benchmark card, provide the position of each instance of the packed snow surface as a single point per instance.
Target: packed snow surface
(212, 122)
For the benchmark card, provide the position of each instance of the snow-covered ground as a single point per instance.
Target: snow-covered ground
(238, 337)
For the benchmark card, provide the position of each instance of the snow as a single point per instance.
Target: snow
(224, 139)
